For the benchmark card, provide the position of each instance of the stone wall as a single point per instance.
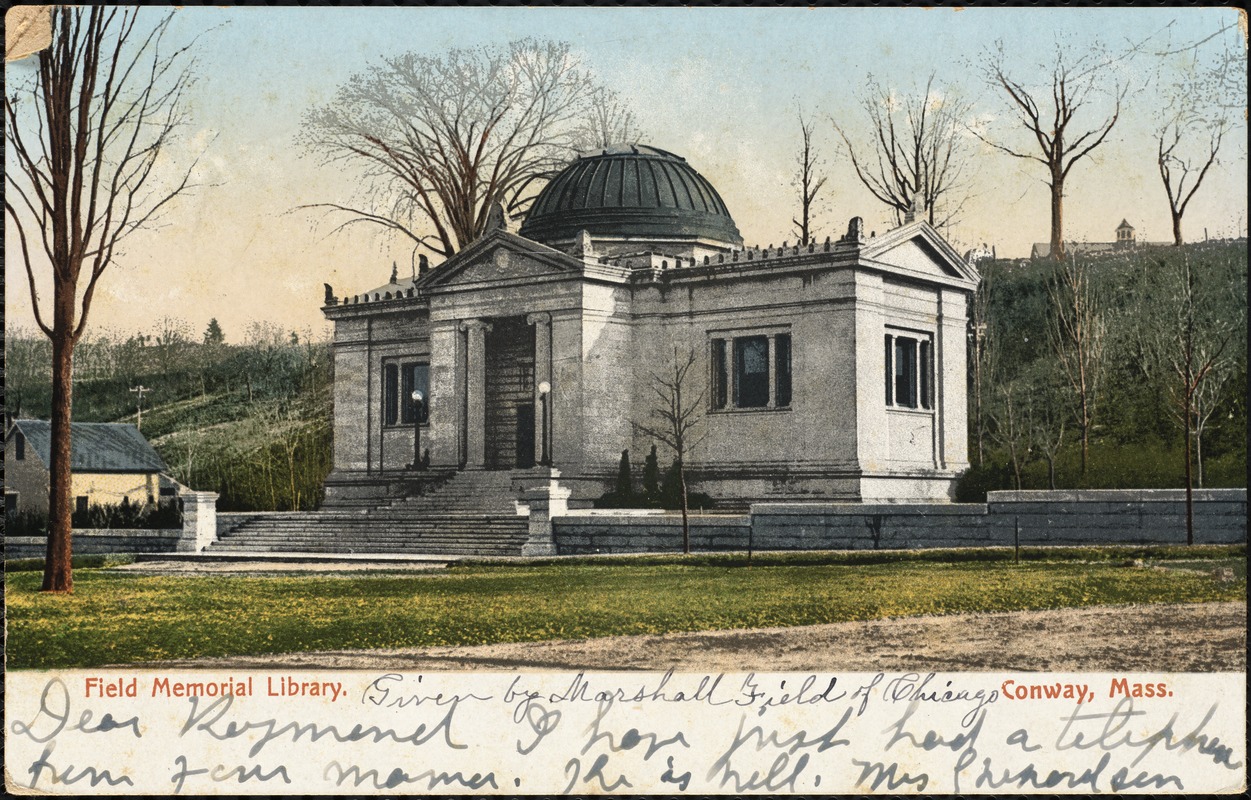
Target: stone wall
(856, 526)
(1085, 517)
(1121, 516)
(97, 542)
(642, 532)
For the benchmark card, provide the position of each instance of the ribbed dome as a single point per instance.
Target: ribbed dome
(635, 191)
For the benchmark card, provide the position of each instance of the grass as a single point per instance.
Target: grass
(115, 618)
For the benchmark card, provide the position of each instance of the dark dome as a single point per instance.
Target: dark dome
(634, 191)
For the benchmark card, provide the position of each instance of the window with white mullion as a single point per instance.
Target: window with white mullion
(909, 371)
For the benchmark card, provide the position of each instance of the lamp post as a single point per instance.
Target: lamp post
(417, 406)
(545, 389)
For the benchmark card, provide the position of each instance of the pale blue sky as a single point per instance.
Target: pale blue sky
(718, 86)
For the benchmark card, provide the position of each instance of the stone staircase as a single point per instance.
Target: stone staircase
(471, 514)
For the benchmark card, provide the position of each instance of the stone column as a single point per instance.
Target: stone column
(475, 393)
(442, 436)
(542, 323)
(565, 408)
(199, 521)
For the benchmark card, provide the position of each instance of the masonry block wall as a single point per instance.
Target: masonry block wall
(97, 542)
(650, 533)
(1087, 517)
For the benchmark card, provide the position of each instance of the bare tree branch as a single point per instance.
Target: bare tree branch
(90, 137)
(438, 140)
(919, 148)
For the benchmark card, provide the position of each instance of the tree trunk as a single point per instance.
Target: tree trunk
(1085, 426)
(686, 525)
(1051, 472)
(1057, 218)
(1199, 456)
(1177, 234)
(57, 570)
(1190, 501)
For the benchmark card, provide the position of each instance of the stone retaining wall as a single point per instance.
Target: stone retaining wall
(626, 532)
(1085, 517)
(97, 542)
(1121, 516)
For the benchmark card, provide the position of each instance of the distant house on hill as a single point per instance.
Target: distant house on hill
(110, 462)
(1125, 240)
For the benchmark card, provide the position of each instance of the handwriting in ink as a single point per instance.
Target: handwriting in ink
(387, 691)
(802, 696)
(629, 740)
(1111, 738)
(67, 775)
(669, 776)
(355, 776)
(541, 722)
(780, 773)
(206, 721)
(54, 703)
(595, 773)
(220, 773)
(891, 775)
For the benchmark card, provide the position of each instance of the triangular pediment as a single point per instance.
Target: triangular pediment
(501, 257)
(918, 250)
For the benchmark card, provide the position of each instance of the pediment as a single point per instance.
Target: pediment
(919, 250)
(502, 257)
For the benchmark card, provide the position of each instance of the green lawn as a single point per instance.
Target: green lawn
(117, 618)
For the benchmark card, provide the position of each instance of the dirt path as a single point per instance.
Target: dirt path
(1157, 638)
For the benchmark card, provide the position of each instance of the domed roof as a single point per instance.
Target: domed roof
(634, 191)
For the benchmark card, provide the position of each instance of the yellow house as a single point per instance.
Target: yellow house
(110, 462)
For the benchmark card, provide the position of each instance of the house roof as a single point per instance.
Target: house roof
(96, 446)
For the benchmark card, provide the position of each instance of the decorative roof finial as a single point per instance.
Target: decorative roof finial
(582, 245)
(496, 220)
(395, 272)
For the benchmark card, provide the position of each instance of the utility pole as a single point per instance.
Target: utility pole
(139, 390)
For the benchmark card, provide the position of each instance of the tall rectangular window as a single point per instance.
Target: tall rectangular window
(720, 378)
(390, 394)
(19, 442)
(751, 372)
(905, 372)
(415, 377)
(782, 347)
(910, 371)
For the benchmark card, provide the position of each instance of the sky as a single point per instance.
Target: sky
(720, 87)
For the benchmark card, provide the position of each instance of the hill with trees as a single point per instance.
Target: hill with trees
(1116, 356)
(250, 421)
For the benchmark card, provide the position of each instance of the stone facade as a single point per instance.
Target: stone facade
(535, 352)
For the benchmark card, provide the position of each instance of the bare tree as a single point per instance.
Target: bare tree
(809, 179)
(673, 421)
(89, 142)
(1049, 114)
(1196, 122)
(608, 120)
(920, 151)
(1011, 428)
(440, 140)
(983, 358)
(27, 355)
(1190, 347)
(1047, 419)
(1076, 331)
